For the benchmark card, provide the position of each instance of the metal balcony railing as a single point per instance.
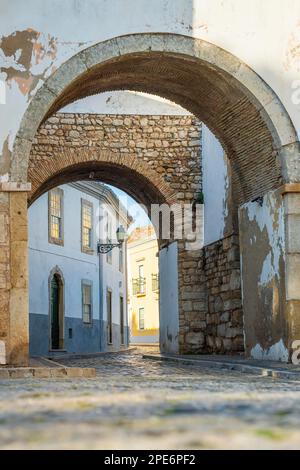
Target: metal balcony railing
(139, 286)
(155, 282)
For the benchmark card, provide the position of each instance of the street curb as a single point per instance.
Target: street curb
(245, 368)
(47, 372)
(84, 356)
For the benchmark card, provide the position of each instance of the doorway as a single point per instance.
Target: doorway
(56, 313)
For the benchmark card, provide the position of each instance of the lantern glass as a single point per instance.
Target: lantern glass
(121, 234)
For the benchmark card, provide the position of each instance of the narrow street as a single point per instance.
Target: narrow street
(135, 403)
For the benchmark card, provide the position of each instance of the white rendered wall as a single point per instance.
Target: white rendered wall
(215, 187)
(168, 299)
(125, 102)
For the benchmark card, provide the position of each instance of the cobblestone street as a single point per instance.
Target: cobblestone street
(135, 403)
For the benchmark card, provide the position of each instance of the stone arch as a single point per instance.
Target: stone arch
(234, 102)
(238, 106)
(124, 171)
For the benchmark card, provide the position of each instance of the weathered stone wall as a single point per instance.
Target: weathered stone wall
(211, 303)
(168, 145)
(224, 318)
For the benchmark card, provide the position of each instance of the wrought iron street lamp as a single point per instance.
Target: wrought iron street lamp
(103, 248)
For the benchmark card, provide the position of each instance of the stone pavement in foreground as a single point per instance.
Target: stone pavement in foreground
(135, 403)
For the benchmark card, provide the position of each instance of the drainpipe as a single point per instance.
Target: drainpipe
(126, 294)
(100, 285)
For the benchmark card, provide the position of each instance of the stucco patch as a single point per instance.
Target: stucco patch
(29, 55)
(277, 352)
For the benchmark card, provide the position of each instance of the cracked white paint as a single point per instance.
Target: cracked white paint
(277, 352)
(269, 217)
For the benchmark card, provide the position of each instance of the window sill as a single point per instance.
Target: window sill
(57, 350)
(87, 251)
(56, 241)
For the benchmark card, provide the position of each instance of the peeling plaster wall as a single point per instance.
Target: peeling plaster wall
(215, 170)
(262, 244)
(37, 37)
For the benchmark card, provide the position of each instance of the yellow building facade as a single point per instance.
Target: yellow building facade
(143, 286)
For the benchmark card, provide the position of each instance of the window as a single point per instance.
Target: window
(141, 318)
(109, 317)
(141, 279)
(87, 302)
(139, 284)
(141, 270)
(55, 217)
(122, 332)
(86, 226)
(155, 282)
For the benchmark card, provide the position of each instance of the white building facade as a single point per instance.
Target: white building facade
(77, 297)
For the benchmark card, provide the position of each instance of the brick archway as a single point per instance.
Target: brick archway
(126, 172)
(243, 112)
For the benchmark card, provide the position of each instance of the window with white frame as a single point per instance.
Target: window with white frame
(141, 318)
(55, 215)
(86, 225)
(87, 304)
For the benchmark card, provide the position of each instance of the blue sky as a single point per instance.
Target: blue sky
(141, 219)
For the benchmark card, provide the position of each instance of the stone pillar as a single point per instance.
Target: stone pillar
(291, 201)
(14, 317)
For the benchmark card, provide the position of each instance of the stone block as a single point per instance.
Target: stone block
(41, 372)
(225, 317)
(235, 279)
(74, 372)
(3, 229)
(218, 344)
(210, 340)
(21, 373)
(221, 330)
(232, 304)
(238, 344)
(4, 276)
(292, 203)
(187, 306)
(19, 265)
(194, 338)
(89, 372)
(293, 276)
(218, 304)
(3, 358)
(58, 372)
(227, 343)
(293, 231)
(19, 334)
